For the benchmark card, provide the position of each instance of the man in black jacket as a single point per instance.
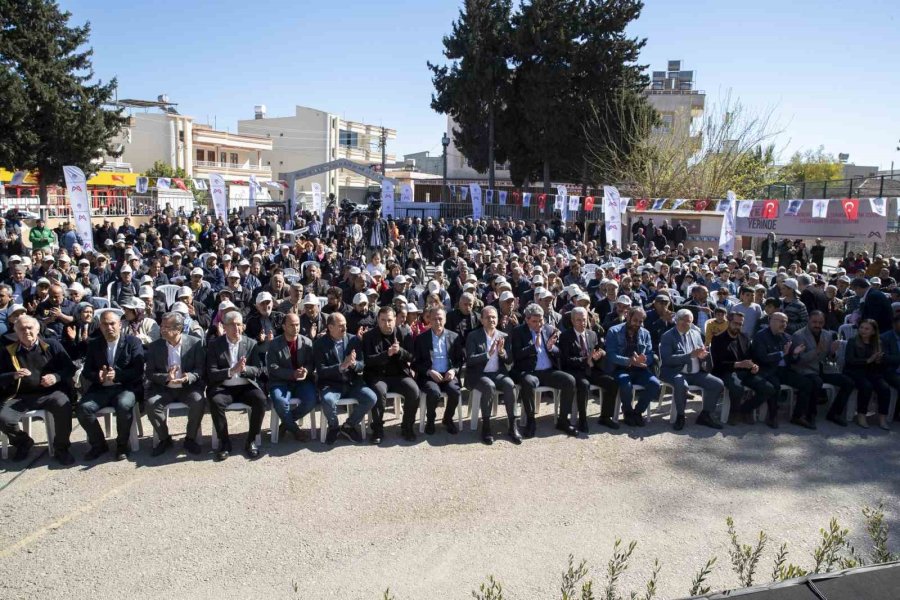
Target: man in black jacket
(438, 357)
(873, 304)
(388, 351)
(36, 375)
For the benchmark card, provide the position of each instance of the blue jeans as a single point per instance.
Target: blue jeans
(627, 379)
(281, 395)
(365, 397)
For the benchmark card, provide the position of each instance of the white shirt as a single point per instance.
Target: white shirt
(493, 363)
(233, 352)
(174, 359)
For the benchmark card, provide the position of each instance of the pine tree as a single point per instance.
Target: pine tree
(50, 112)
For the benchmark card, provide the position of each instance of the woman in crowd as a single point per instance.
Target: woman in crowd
(864, 363)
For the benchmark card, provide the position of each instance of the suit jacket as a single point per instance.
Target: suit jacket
(278, 360)
(674, 355)
(814, 299)
(218, 363)
(422, 352)
(615, 347)
(59, 363)
(571, 354)
(477, 355)
(810, 361)
(767, 350)
(128, 363)
(889, 345)
(876, 305)
(726, 351)
(328, 362)
(524, 353)
(379, 363)
(193, 363)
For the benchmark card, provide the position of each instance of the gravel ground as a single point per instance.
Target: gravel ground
(431, 519)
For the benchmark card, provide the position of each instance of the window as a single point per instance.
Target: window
(348, 138)
(211, 155)
(201, 155)
(223, 157)
(234, 158)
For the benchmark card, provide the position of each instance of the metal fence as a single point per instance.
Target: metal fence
(461, 210)
(854, 187)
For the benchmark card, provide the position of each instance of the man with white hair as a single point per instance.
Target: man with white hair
(684, 362)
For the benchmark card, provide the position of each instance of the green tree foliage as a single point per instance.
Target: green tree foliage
(812, 165)
(50, 113)
(162, 169)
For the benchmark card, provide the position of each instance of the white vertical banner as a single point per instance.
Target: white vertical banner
(744, 208)
(220, 200)
(141, 184)
(526, 199)
(254, 187)
(819, 210)
(317, 198)
(574, 204)
(879, 206)
(406, 193)
(463, 193)
(502, 197)
(726, 234)
(76, 183)
(612, 213)
(476, 201)
(387, 198)
(624, 203)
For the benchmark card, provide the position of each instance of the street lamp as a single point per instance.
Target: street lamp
(445, 141)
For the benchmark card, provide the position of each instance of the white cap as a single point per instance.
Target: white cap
(227, 305)
(15, 258)
(146, 279)
(264, 297)
(412, 308)
(132, 303)
(76, 287)
(506, 296)
(14, 309)
(185, 291)
(145, 292)
(310, 299)
(84, 261)
(400, 298)
(875, 281)
(181, 308)
(125, 269)
(537, 280)
(64, 258)
(400, 279)
(234, 275)
(544, 293)
(355, 271)
(360, 298)
(433, 286)
(623, 300)
(43, 281)
(790, 283)
(197, 271)
(244, 263)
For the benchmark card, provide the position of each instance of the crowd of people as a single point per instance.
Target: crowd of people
(356, 309)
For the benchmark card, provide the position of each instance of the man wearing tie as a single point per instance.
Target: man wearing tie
(534, 352)
(486, 370)
(290, 365)
(683, 358)
(581, 355)
(438, 358)
(629, 359)
(175, 365)
(114, 370)
(339, 368)
(232, 372)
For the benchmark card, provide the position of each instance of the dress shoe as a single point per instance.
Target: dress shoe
(679, 423)
(704, 418)
(487, 438)
(22, 450)
(429, 427)
(583, 425)
(95, 452)
(407, 433)
(883, 423)
(351, 433)
(191, 446)
(803, 422)
(65, 458)
(222, 454)
(836, 419)
(121, 452)
(862, 421)
(566, 428)
(530, 429)
(377, 434)
(450, 426)
(161, 447)
(331, 435)
(514, 435)
(251, 450)
(607, 422)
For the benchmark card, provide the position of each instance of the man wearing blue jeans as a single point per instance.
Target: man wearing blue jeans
(629, 352)
(339, 368)
(290, 366)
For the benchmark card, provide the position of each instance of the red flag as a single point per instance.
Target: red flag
(179, 184)
(515, 198)
(589, 203)
(118, 178)
(700, 205)
(642, 205)
(542, 201)
(851, 208)
(770, 209)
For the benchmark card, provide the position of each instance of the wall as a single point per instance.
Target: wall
(151, 141)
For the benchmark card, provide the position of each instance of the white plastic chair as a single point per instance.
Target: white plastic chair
(291, 273)
(170, 292)
(234, 406)
(26, 420)
(100, 302)
(99, 313)
(634, 392)
(673, 409)
(176, 406)
(275, 421)
(475, 407)
(538, 395)
(134, 436)
(398, 402)
(423, 409)
(348, 402)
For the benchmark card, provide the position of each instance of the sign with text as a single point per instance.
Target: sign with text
(867, 227)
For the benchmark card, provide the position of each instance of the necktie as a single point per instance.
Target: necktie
(584, 348)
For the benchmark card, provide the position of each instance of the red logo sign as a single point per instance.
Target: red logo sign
(77, 188)
(770, 209)
(851, 208)
(589, 203)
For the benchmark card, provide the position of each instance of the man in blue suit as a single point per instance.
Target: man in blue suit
(873, 304)
(629, 354)
(684, 361)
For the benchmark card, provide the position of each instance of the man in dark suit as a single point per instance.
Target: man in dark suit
(534, 352)
(388, 352)
(486, 370)
(114, 371)
(773, 351)
(811, 296)
(35, 374)
(700, 306)
(289, 362)
(873, 304)
(232, 373)
(175, 368)
(581, 355)
(339, 367)
(438, 357)
(890, 346)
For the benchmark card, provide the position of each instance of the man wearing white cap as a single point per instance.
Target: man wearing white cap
(264, 323)
(124, 287)
(360, 318)
(312, 322)
(239, 294)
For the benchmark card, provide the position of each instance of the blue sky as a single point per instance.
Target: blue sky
(828, 69)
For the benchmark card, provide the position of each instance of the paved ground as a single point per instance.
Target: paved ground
(430, 520)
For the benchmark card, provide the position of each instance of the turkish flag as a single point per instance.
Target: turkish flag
(770, 209)
(589, 203)
(542, 201)
(642, 204)
(851, 208)
(179, 184)
(515, 198)
(700, 205)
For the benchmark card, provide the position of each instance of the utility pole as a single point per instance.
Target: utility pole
(445, 141)
(491, 146)
(383, 144)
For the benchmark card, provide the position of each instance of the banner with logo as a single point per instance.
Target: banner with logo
(726, 234)
(387, 198)
(526, 199)
(254, 188)
(613, 215)
(659, 203)
(679, 202)
(744, 208)
(793, 208)
(406, 193)
(141, 184)
(502, 198)
(589, 204)
(879, 206)
(317, 198)
(76, 183)
(220, 200)
(201, 184)
(163, 183)
(820, 209)
(477, 209)
(856, 222)
(489, 196)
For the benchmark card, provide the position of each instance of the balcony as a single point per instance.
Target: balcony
(233, 168)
